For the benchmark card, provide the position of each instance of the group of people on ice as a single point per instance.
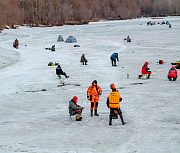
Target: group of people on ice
(94, 91)
(172, 74)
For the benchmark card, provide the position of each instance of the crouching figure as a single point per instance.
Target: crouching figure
(75, 109)
(83, 60)
(172, 74)
(145, 70)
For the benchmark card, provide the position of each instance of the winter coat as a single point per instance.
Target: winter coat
(73, 106)
(59, 70)
(83, 59)
(115, 56)
(94, 90)
(16, 43)
(172, 72)
(145, 69)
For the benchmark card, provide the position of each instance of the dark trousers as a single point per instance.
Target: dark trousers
(113, 61)
(112, 114)
(92, 105)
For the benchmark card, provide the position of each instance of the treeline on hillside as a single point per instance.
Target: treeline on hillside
(58, 12)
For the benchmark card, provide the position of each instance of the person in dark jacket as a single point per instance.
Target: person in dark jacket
(75, 109)
(172, 74)
(53, 48)
(113, 58)
(15, 44)
(128, 39)
(59, 72)
(83, 59)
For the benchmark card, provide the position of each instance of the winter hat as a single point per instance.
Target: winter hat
(112, 86)
(146, 63)
(95, 81)
(172, 67)
(75, 99)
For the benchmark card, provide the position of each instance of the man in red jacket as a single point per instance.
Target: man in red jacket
(172, 74)
(145, 70)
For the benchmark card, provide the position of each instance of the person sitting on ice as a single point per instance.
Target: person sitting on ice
(75, 109)
(128, 39)
(83, 59)
(53, 48)
(172, 74)
(145, 70)
(15, 44)
(59, 72)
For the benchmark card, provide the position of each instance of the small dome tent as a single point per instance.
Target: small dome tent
(60, 38)
(71, 39)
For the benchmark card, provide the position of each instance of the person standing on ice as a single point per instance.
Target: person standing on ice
(115, 116)
(74, 108)
(59, 72)
(93, 93)
(172, 74)
(113, 103)
(145, 70)
(113, 58)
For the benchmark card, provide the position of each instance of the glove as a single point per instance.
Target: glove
(87, 96)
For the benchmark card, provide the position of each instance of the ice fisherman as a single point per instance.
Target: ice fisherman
(75, 109)
(128, 39)
(114, 105)
(59, 72)
(93, 93)
(172, 74)
(83, 59)
(113, 58)
(145, 70)
(16, 44)
(53, 48)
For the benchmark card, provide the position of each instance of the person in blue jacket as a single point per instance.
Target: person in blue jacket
(113, 58)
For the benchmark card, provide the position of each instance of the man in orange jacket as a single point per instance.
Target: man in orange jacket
(113, 103)
(93, 93)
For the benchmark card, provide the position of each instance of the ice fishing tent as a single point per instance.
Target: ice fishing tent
(60, 38)
(71, 39)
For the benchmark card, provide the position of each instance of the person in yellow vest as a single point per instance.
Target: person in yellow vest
(112, 86)
(93, 93)
(113, 103)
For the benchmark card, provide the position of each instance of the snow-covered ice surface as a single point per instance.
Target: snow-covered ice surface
(36, 121)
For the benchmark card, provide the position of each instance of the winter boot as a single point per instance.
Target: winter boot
(140, 76)
(91, 112)
(110, 120)
(122, 120)
(148, 76)
(66, 76)
(78, 117)
(95, 113)
(174, 79)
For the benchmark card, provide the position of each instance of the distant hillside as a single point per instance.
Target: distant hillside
(59, 12)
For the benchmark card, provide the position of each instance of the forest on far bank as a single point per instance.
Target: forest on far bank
(59, 12)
